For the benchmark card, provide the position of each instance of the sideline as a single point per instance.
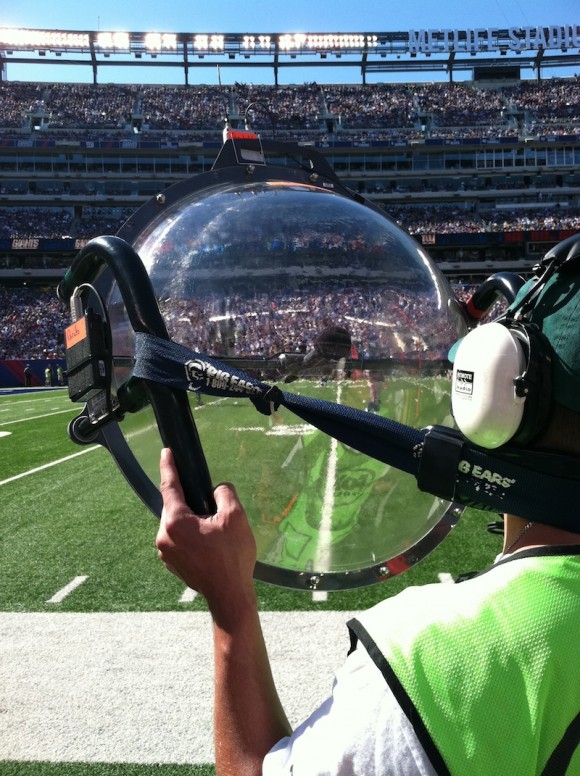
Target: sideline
(135, 687)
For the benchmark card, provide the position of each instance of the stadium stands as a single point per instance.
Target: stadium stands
(32, 324)
(459, 165)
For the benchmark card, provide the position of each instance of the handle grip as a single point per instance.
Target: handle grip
(171, 406)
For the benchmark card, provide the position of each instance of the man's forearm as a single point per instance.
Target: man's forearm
(249, 718)
(216, 555)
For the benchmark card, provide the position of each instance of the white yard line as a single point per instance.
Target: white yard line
(65, 591)
(7, 405)
(292, 429)
(324, 540)
(39, 417)
(298, 446)
(445, 578)
(259, 429)
(188, 596)
(49, 465)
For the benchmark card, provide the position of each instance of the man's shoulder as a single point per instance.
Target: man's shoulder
(550, 572)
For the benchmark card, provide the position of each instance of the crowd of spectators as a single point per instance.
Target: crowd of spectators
(311, 111)
(35, 222)
(541, 219)
(32, 323)
(417, 219)
(432, 109)
(18, 100)
(435, 219)
(297, 107)
(89, 106)
(378, 105)
(97, 221)
(556, 99)
(181, 107)
(460, 105)
(382, 322)
(448, 219)
(45, 222)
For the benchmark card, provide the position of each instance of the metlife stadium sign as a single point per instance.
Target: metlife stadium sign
(492, 39)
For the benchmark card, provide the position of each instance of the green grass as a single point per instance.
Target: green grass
(79, 517)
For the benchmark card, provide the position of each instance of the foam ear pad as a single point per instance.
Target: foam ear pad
(484, 399)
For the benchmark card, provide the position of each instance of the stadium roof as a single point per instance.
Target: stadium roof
(491, 51)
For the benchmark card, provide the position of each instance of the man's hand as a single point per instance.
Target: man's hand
(213, 554)
(216, 555)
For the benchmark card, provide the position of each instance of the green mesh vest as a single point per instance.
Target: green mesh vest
(488, 670)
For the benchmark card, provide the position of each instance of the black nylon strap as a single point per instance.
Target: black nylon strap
(562, 755)
(175, 365)
(359, 633)
(443, 461)
(440, 459)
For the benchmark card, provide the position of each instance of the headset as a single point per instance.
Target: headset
(502, 371)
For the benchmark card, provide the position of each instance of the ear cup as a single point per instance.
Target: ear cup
(500, 390)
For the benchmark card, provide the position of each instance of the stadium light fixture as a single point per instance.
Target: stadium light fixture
(253, 42)
(156, 41)
(113, 40)
(20, 38)
(209, 43)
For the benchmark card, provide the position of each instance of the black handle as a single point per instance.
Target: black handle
(170, 405)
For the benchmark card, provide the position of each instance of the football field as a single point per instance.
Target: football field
(105, 658)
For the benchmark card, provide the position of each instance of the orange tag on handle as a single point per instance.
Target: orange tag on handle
(75, 332)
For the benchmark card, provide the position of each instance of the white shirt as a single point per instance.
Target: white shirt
(359, 731)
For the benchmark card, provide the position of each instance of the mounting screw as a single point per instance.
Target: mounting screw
(250, 169)
(160, 199)
(313, 178)
(313, 582)
(383, 571)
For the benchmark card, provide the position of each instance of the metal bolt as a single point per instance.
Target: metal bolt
(313, 582)
(250, 169)
(160, 199)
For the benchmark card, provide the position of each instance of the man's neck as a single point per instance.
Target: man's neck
(519, 535)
